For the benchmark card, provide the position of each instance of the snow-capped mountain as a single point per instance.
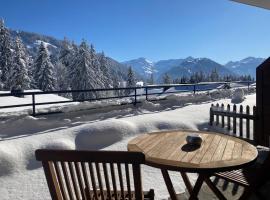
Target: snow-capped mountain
(192, 65)
(142, 66)
(245, 66)
(33, 40)
(176, 67)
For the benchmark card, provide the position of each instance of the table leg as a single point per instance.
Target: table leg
(169, 184)
(187, 182)
(197, 187)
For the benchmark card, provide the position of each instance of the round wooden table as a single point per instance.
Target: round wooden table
(169, 151)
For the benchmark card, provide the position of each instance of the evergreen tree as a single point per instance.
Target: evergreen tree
(19, 76)
(105, 70)
(214, 76)
(130, 79)
(84, 74)
(151, 79)
(43, 74)
(61, 74)
(167, 79)
(6, 55)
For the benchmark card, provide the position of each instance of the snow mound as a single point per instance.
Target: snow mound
(59, 144)
(238, 96)
(89, 105)
(147, 105)
(102, 134)
(7, 163)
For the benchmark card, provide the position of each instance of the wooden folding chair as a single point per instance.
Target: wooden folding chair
(251, 178)
(93, 175)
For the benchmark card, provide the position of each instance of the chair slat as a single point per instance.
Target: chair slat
(107, 182)
(121, 180)
(80, 179)
(99, 181)
(92, 176)
(137, 181)
(113, 181)
(51, 178)
(67, 180)
(128, 181)
(85, 177)
(60, 181)
(74, 180)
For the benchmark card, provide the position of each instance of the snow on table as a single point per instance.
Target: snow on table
(21, 177)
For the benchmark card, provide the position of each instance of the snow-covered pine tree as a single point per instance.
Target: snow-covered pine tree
(62, 80)
(18, 76)
(106, 76)
(131, 82)
(167, 79)
(43, 74)
(63, 64)
(66, 53)
(105, 70)
(84, 75)
(6, 55)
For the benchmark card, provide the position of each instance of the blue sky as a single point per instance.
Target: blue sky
(156, 29)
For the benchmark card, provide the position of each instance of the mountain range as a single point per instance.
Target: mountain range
(176, 68)
(144, 67)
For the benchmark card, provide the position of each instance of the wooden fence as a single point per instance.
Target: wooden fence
(239, 122)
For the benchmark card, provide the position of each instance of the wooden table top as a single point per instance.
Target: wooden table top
(218, 152)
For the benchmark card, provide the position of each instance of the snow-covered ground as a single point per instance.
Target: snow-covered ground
(111, 127)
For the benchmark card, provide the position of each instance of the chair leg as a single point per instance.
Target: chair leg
(246, 194)
(214, 189)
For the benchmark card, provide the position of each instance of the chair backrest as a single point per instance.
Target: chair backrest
(73, 174)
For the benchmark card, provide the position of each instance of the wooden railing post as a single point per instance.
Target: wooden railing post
(135, 100)
(33, 105)
(146, 93)
(241, 122)
(211, 115)
(194, 88)
(255, 134)
(228, 117)
(217, 115)
(234, 119)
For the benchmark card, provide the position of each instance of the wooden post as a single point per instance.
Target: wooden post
(135, 100)
(146, 93)
(194, 88)
(263, 103)
(234, 120)
(241, 122)
(217, 116)
(248, 123)
(255, 137)
(211, 115)
(228, 117)
(33, 105)
(222, 117)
